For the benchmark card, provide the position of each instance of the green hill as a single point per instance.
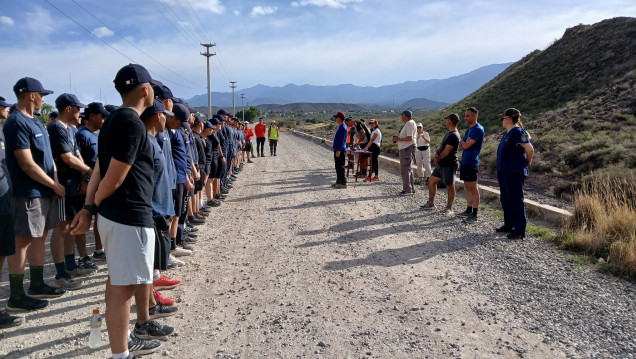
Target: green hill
(577, 99)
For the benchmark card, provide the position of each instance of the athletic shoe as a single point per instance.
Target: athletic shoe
(404, 193)
(165, 301)
(180, 252)
(140, 346)
(515, 236)
(465, 214)
(68, 283)
(375, 178)
(215, 203)
(164, 283)
(195, 221)
(161, 311)
(448, 211)
(250, 161)
(202, 214)
(191, 234)
(79, 272)
(503, 229)
(341, 186)
(174, 262)
(45, 291)
(428, 206)
(189, 225)
(8, 321)
(188, 239)
(192, 229)
(224, 191)
(152, 330)
(87, 263)
(186, 246)
(205, 209)
(470, 219)
(99, 256)
(368, 179)
(334, 185)
(25, 304)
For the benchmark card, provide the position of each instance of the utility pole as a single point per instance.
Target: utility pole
(233, 86)
(242, 97)
(207, 54)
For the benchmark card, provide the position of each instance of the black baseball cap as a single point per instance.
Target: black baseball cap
(111, 108)
(215, 121)
(162, 92)
(157, 107)
(208, 124)
(4, 103)
(96, 107)
(219, 118)
(181, 112)
(29, 84)
(223, 112)
(53, 114)
(68, 99)
(130, 76)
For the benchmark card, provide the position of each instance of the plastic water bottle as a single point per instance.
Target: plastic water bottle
(95, 338)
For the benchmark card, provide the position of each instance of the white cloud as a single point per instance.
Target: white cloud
(102, 32)
(263, 10)
(237, 13)
(213, 6)
(334, 4)
(5, 20)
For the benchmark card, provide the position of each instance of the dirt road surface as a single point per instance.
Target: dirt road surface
(289, 267)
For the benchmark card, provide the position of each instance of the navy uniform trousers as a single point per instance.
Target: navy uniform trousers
(511, 186)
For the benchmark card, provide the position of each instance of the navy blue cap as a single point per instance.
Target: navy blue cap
(223, 112)
(12, 108)
(177, 100)
(215, 121)
(186, 126)
(4, 103)
(130, 76)
(67, 99)
(111, 108)
(157, 107)
(208, 124)
(96, 107)
(28, 84)
(190, 108)
(181, 112)
(36, 113)
(197, 121)
(53, 114)
(219, 118)
(162, 92)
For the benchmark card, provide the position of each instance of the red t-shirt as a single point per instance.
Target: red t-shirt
(248, 134)
(260, 129)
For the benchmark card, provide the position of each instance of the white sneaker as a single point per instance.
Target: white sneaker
(174, 261)
(180, 252)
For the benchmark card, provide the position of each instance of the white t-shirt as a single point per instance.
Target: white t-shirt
(409, 129)
(378, 138)
(420, 140)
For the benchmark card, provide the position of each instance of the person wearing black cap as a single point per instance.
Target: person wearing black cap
(7, 238)
(52, 116)
(70, 168)
(86, 136)
(35, 185)
(406, 144)
(218, 156)
(226, 143)
(339, 151)
(201, 164)
(120, 190)
(514, 157)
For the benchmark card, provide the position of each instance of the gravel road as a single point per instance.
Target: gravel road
(294, 268)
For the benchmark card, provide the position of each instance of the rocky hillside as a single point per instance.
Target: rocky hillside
(577, 99)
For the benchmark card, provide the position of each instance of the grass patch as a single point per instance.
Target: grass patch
(581, 259)
(541, 232)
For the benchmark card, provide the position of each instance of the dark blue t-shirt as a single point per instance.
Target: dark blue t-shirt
(163, 139)
(5, 183)
(23, 132)
(511, 156)
(87, 144)
(63, 141)
(471, 156)
(179, 155)
(162, 205)
(340, 139)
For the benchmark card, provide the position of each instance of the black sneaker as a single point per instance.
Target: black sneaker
(427, 206)
(224, 191)
(205, 209)
(25, 303)
(465, 214)
(8, 321)
(191, 234)
(192, 230)
(140, 346)
(503, 229)
(152, 330)
(188, 239)
(189, 225)
(99, 256)
(87, 263)
(161, 311)
(215, 203)
(515, 236)
(195, 221)
(45, 291)
(470, 219)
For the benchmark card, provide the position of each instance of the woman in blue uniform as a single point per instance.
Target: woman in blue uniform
(514, 157)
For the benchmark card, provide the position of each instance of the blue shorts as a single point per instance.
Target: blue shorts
(469, 173)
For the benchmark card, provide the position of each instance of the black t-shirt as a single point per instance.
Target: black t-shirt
(123, 137)
(214, 145)
(451, 138)
(63, 141)
(200, 148)
(5, 182)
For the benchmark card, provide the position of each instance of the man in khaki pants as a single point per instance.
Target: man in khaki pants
(406, 145)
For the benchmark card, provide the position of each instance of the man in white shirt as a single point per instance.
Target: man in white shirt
(406, 144)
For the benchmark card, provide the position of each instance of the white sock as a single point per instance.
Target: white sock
(99, 251)
(129, 336)
(155, 275)
(123, 355)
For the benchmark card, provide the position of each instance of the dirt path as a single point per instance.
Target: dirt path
(311, 271)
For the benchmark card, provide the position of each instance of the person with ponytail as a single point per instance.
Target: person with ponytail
(514, 157)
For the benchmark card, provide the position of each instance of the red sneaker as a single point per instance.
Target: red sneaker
(375, 178)
(165, 301)
(165, 283)
(368, 179)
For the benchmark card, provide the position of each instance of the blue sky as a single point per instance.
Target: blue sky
(319, 42)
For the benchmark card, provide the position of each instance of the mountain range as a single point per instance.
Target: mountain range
(433, 93)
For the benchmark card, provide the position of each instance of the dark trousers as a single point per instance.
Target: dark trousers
(340, 167)
(511, 187)
(272, 146)
(375, 153)
(260, 145)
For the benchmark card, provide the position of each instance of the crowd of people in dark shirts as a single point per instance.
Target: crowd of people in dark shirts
(144, 174)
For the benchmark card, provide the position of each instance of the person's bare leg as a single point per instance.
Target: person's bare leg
(80, 243)
(174, 226)
(432, 188)
(472, 194)
(57, 244)
(208, 188)
(69, 241)
(98, 238)
(451, 194)
(143, 293)
(152, 302)
(1, 263)
(17, 261)
(118, 315)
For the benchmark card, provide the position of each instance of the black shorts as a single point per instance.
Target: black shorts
(219, 168)
(162, 246)
(7, 237)
(468, 173)
(248, 147)
(69, 206)
(214, 167)
(178, 196)
(199, 185)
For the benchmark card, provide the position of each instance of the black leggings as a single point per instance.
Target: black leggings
(272, 146)
(260, 145)
(375, 150)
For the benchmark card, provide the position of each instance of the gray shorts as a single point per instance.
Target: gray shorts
(130, 252)
(34, 216)
(447, 174)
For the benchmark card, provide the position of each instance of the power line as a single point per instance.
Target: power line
(133, 45)
(112, 47)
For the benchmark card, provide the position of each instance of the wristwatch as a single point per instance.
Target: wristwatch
(91, 208)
